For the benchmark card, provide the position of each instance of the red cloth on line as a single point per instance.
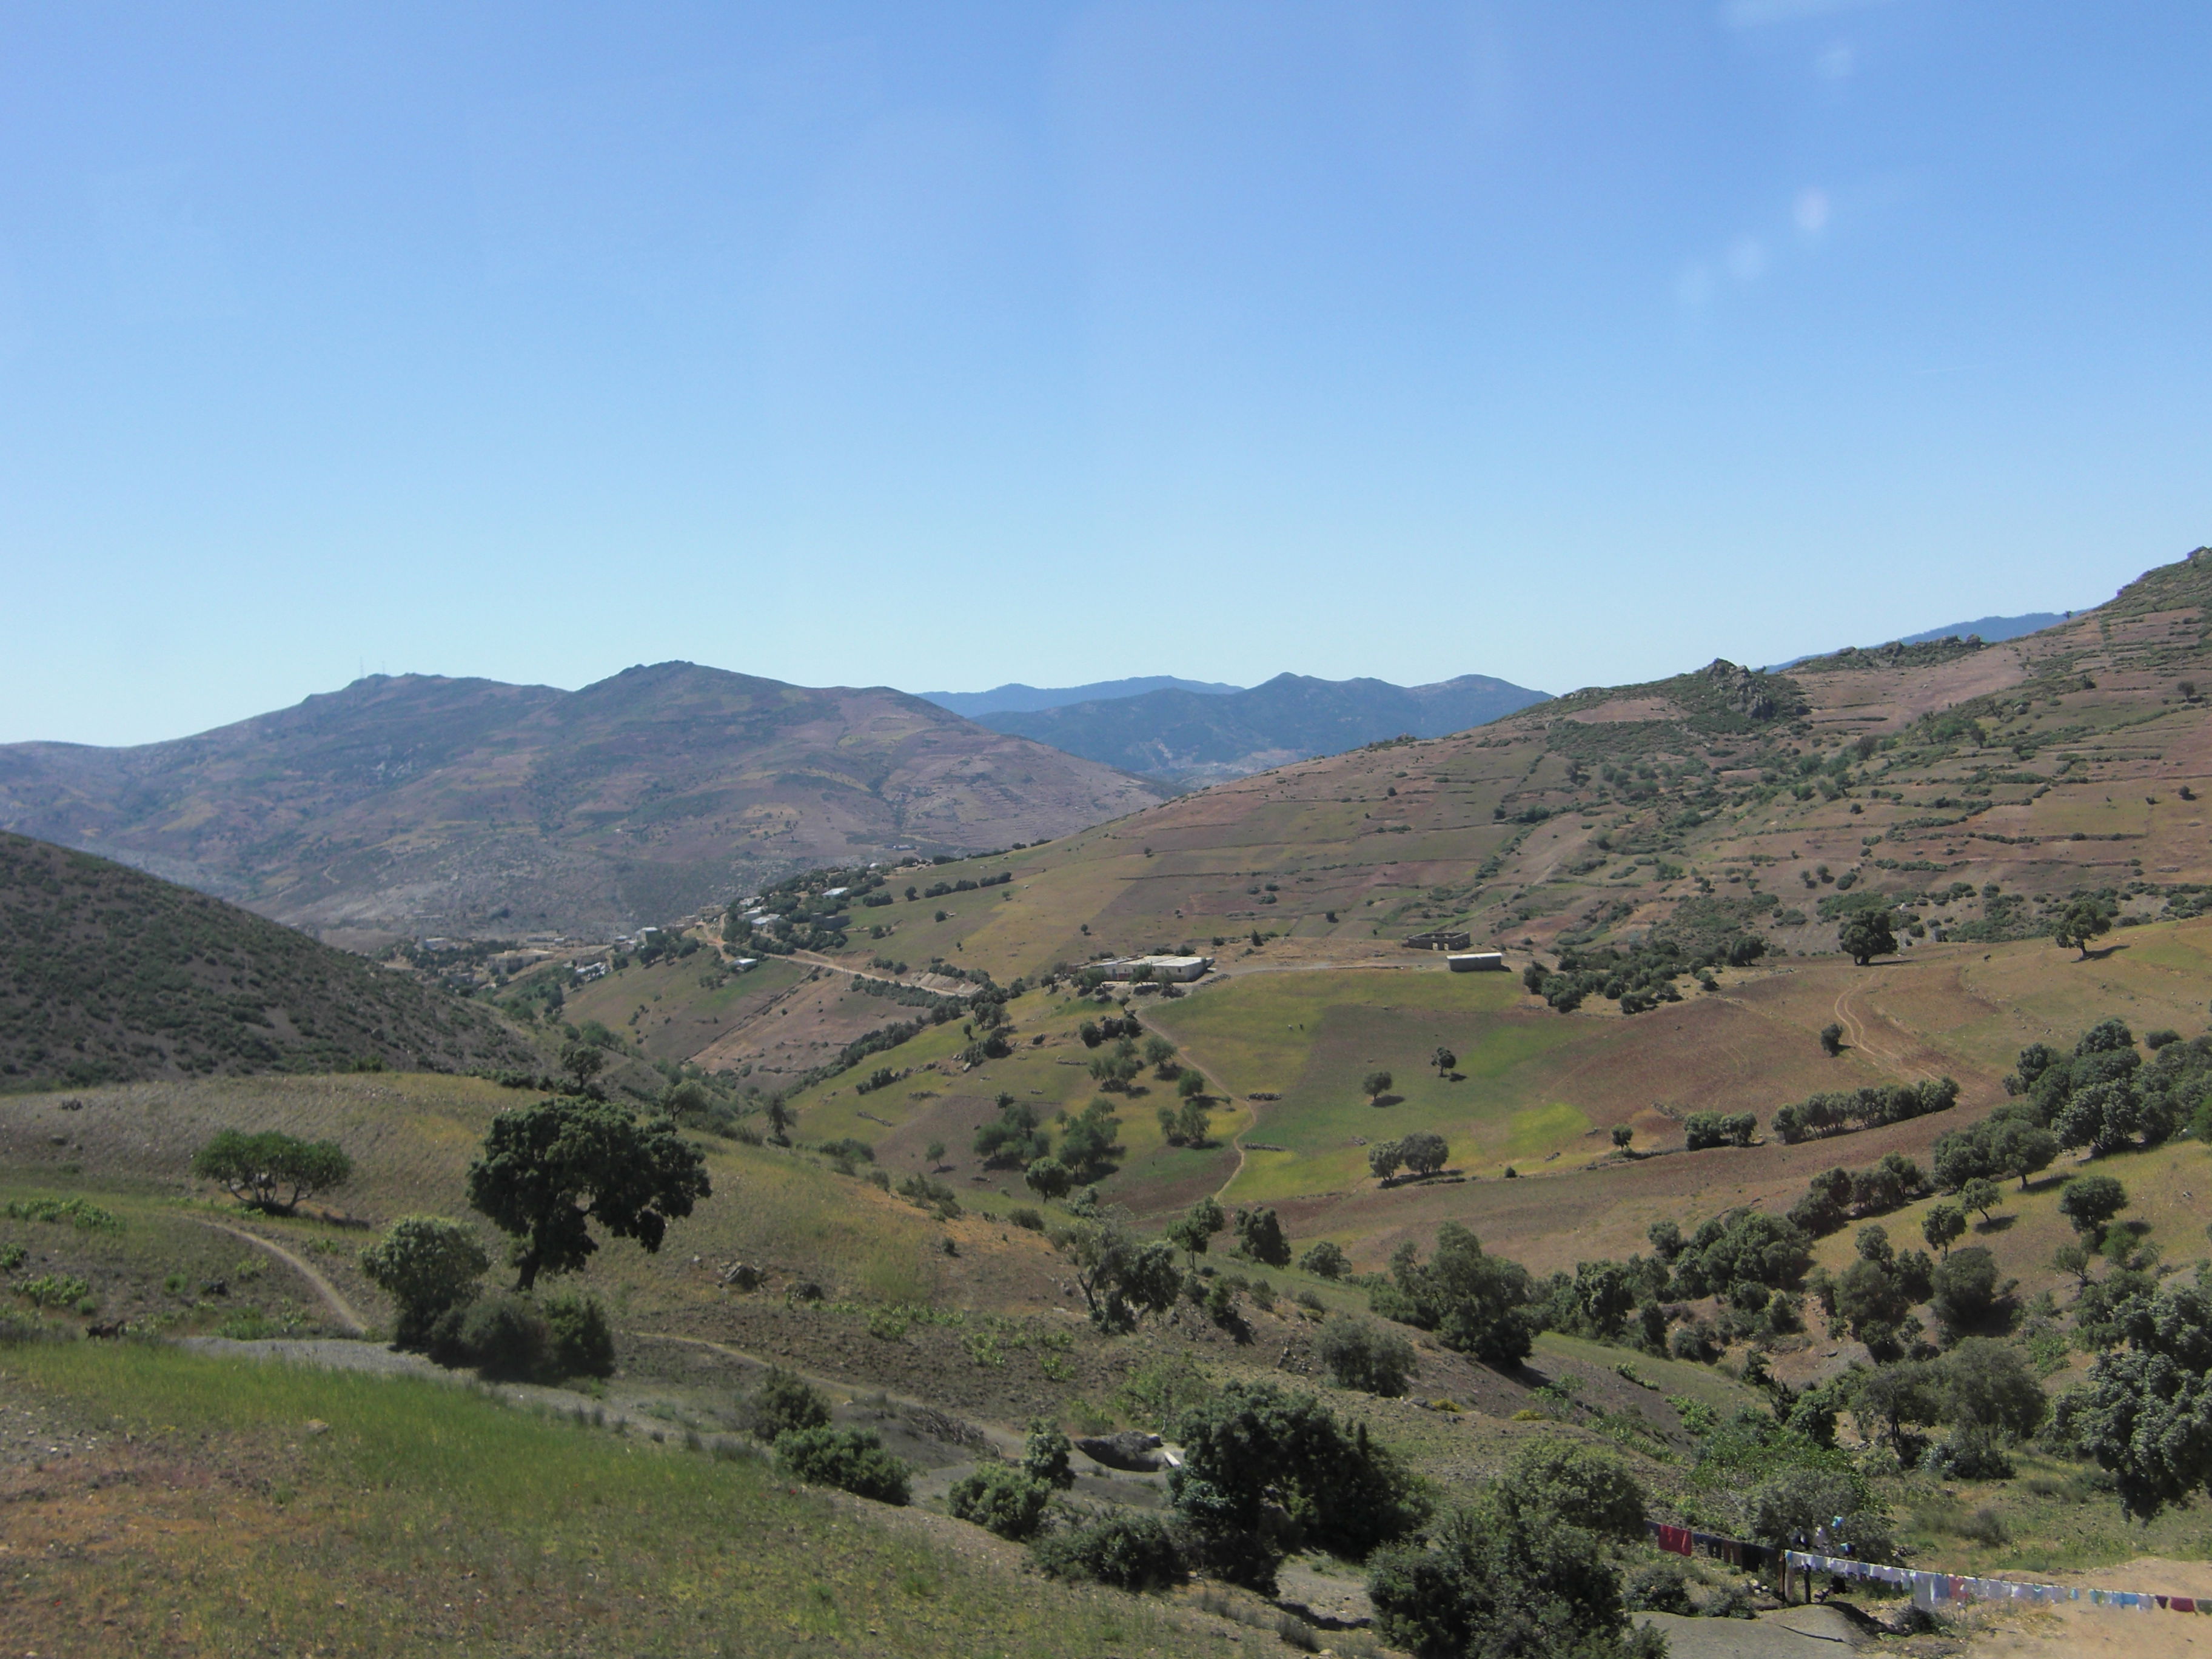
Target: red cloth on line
(1676, 1539)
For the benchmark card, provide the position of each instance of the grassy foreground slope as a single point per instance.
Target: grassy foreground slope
(107, 973)
(227, 1509)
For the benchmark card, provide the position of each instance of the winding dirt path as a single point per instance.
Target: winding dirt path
(347, 1315)
(1854, 1029)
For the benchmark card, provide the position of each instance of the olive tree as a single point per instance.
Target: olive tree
(2090, 1202)
(547, 1172)
(1121, 1275)
(271, 1171)
(2082, 921)
(1867, 935)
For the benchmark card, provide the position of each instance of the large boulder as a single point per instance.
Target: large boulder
(1131, 1450)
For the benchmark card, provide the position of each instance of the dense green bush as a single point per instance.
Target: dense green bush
(1254, 1446)
(1731, 1250)
(1963, 1288)
(1522, 1570)
(579, 1342)
(1046, 1456)
(2008, 1144)
(1002, 1500)
(1359, 1356)
(1326, 1260)
(1476, 1304)
(1129, 1551)
(2090, 1202)
(503, 1335)
(428, 1266)
(1848, 1111)
(1260, 1237)
(1702, 1130)
(2146, 1413)
(781, 1401)
(1660, 1586)
(853, 1460)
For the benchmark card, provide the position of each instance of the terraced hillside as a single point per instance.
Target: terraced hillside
(108, 975)
(423, 805)
(1972, 789)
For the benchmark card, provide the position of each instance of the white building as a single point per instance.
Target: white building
(1163, 967)
(1476, 962)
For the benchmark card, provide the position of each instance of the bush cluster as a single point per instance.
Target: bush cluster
(1847, 1111)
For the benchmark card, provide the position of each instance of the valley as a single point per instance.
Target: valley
(940, 1151)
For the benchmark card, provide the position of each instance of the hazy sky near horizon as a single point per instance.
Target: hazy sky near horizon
(939, 346)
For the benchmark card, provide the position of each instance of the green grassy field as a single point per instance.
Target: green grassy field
(1311, 1037)
(255, 1507)
(670, 1007)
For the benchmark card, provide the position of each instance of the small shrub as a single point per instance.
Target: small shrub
(12, 1257)
(1730, 1602)
(1133, 1552)
(1360, 1356)
(1983, 1526)
(504, 1337)
(1326, 1260)
(77, 1212)
(1046, 1454)
(51, 1290)
(1023, 1216)
(581, 1342)
(1660, 1587)
(428, 1266)
(1693, 1341)
(1161, 1391)
(852, 1459)
(1000, 1498)
(782, 1402)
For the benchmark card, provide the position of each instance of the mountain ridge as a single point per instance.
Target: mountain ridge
(424, 803)
(1189, 739)
(1014, 698)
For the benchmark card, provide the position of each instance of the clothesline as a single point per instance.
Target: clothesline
(1932, 1590)
(1929, 1590)
(1685, 1540)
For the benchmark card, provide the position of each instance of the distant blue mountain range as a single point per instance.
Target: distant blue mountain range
(1018, 699)
(1991, 628)
(1187, 737)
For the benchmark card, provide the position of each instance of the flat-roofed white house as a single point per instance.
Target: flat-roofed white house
(1162, 968)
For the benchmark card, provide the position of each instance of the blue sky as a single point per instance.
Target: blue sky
(941, 346)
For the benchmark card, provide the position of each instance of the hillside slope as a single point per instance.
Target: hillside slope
(420, 804)
(1192, 738)
(108, 975)
(1914, 778)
